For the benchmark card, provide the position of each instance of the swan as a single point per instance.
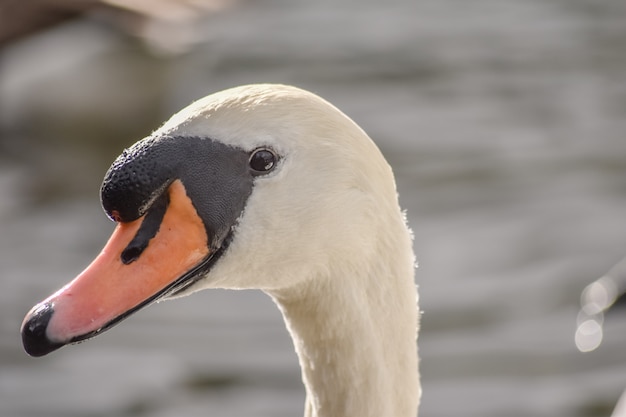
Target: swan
(268, 187)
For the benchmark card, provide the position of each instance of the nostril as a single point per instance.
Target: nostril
(149, 228)
(131, 254)
(34, 338)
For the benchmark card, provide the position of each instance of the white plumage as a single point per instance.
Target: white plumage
(326, 239)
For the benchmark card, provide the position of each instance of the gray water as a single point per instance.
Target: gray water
(504, 121)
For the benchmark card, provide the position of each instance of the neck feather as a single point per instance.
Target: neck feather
(355, 337)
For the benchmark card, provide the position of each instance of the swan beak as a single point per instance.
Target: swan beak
(113, 286)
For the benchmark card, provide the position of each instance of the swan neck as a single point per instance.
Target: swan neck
(356, 343)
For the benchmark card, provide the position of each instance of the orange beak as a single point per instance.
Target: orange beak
(109, 289)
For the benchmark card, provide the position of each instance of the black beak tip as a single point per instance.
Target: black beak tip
(34, 338)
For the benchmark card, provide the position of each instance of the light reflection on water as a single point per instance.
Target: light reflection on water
(595, 301)
(503, 121)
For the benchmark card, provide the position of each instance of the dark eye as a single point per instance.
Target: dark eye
(262, 160)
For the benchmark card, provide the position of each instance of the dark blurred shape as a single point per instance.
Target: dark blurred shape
(19, 18)
(607, 292)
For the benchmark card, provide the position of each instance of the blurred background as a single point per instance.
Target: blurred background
(504, 121)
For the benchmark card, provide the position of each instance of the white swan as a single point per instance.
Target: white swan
(268, 187)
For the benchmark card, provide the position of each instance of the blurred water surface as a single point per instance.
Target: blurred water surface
(504, 122)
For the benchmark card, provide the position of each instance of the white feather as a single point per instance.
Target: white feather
(324, 236)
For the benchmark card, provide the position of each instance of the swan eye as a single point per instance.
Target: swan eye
(262, 160)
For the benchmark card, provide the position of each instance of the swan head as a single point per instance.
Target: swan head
(261, 186)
